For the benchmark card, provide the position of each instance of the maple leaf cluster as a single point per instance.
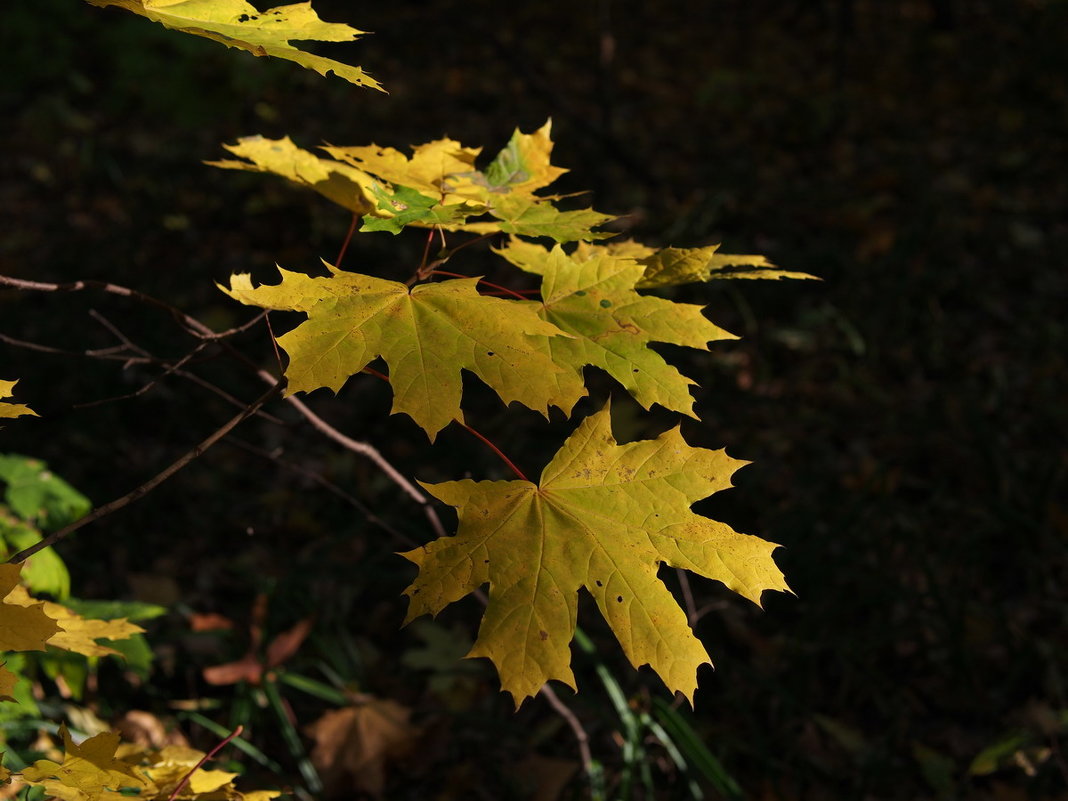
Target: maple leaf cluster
(604, 516)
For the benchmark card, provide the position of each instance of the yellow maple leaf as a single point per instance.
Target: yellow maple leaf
(23, 626)
(76, 633)
(12, 409)
(343, 184)
(237, 23)
(604, 517)
(88, 772)
(426, 335)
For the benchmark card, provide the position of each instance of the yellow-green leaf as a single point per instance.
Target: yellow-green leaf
(523, 167)
(604, 517)
(613, 325)
(237, 23)
(432, 169)
(426, 335)
(672, 266)
(7, 388)
(530, 216)
(341, 183)
(23, 626)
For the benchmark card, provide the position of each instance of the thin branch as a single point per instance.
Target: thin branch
(367, 450)
(326, 484)
(497, 451)
(190, 324)
(151, 484)
(185, 779)
(687, 597)
(498, 287)
(576, 726)
(348, 238)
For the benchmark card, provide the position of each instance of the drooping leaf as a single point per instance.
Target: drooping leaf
(664, 267)
(237, 23)
(604, 516)
(613, 325)
(76, 633)
(7, 388)
(88, 772)
(23, 627)
(341, 183)
(529, 216)
(672, 266)
(406, 206)
(426, 335)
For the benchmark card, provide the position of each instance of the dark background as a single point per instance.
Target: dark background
(906, 416)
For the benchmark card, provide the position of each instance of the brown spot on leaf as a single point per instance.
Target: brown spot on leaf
(543, 634)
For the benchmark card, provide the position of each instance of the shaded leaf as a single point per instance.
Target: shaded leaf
(605, 517)
(8, 680)
(426, 335)
(406, 207)
(671, 266)
(354, 745)
(236, 23)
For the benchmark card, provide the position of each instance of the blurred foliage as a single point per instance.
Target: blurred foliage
(905, 417)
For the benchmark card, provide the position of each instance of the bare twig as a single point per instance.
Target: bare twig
(576, 726)
(151, 484)
(348, 238)
(190, 324)
(687, 597)
(326, 484)
(369, 451)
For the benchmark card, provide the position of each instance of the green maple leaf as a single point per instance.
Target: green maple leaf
(407, 206)
(595, 300)
(12, 409)
(604, 516)
(426, 335)
(343, 184)
(236, 23)
(531, 216)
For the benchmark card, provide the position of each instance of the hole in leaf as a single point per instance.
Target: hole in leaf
(599, 584)
(619, 598)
